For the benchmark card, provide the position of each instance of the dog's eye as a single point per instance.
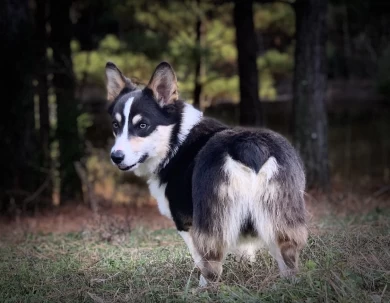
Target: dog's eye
(115, 125)
(142, 125)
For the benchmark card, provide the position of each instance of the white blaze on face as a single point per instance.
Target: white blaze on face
(122, 140)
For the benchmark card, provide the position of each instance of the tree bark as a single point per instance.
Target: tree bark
(41, 72)
(19, 173)
(67, 107)
(309, 88)
(199, 66)
(250, 106)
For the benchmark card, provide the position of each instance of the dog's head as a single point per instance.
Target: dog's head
(143, 120)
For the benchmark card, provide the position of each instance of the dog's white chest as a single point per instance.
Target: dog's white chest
(158, 192)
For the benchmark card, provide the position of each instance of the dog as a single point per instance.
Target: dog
(226, 189)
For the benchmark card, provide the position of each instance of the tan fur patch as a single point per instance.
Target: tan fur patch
(136, 143)
(136, 119)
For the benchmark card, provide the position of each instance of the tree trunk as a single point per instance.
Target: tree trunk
(67, 111)
(309, 88)
(19, 173)
(41, 71)
(347, 42)
(250, 106)
(199, 66)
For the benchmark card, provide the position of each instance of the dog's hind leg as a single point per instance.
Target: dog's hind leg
(286, 248)
(187, 237)
(286, 255)
(212, 254)
(209, 263)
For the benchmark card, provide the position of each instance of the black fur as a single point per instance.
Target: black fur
(179, 171)
(194, 173)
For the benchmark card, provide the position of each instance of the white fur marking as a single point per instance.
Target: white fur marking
(136, 119)
(246, 191)
(121, 142)
(191, 247)
(247, 247)
(118, 117)
(190, 117)
(158, 192)
(269, 168)
(126, 113)
(157, 147)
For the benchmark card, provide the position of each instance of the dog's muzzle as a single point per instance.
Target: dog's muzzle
(118, 156)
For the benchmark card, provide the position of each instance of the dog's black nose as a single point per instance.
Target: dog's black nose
(117, 156)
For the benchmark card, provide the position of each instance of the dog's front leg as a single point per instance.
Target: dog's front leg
(194, 253)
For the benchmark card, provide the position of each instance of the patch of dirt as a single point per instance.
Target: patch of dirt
(76, 218)
(341, 202)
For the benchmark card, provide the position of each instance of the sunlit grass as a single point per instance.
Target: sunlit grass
(343, 262)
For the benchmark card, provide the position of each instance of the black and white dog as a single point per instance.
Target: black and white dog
(226, 189)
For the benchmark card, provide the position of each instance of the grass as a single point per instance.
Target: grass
(345, 261)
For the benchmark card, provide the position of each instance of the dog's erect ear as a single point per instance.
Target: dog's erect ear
(164, 84)
(116, 82)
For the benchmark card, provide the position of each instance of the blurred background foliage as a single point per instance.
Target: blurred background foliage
(137, 35)
(148, 32)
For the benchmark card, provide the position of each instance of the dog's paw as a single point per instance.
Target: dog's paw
(202, 281)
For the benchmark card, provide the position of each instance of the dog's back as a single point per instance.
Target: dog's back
(248, 183)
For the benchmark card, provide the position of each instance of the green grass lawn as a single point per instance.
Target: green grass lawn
(345, 261)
